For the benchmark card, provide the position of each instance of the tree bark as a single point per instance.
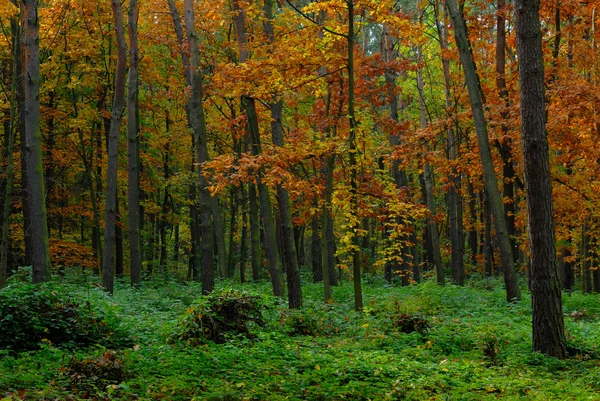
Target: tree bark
(454, 201)
(10, 137)
(110, 211)
(197, 122)
(249, 106)
(547, 322)
(288, 246)
(434, 236)
(513, 293)
(353, 166)
(133, 148)
(40, 253)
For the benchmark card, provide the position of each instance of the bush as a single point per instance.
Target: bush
(34, 314)
(407, 323)
(90, 377)
(106, 369)
(219, 315)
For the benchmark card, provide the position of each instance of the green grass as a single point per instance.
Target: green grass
(477, 348)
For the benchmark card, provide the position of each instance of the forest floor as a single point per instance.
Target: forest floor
(469, 344)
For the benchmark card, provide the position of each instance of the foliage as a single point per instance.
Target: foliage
(31, 315)
(406, 323)
(90, 374)
(220, 315)
(356, 357)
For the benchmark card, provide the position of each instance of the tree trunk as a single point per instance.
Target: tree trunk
(10, 137)
(428, 180)
(133, 147)
(288, 246)
(255, 250)
(110, 211)
(249, 107)
(353, 166)
(454, 201)
(118, 242)
(198, 124)
(548, 323)
(513, 292)
(40, 254)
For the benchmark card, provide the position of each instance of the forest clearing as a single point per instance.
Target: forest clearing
(470, 346)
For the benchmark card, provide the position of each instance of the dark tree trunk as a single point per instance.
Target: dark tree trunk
(548, 323)
(108, 260)
(40, 254)
(513, 292)
(315, 253)
(118, 243)
(133, 148)
(196, 115)
(288, 245)
(10, 128)
(255, 251)
(266, 210)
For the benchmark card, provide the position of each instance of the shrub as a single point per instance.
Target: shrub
(90, 377)
(106, 369)
(407, 323)
(33, 314)
(219, 315)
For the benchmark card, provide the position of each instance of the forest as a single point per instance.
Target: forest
(296, 199)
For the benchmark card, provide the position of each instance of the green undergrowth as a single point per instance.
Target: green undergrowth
(422, 342)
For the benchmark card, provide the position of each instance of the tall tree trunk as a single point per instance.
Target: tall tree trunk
(110, 210)
(489, 176)
(133, 147)
(288, 246)
(546, 297)
(353, 165)
(398, 174)
(454, 201)
(198, 124)
(505, 147)
(249, 108)
(40, 253)
(428, 178)
(10, 137)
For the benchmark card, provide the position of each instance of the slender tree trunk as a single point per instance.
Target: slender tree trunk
(505, 147)
(249, 107)
(118, 242)
(315, 247)
(198, 124)
(288, 246)
(454, 201)
(110, 211)
(10, 137)
(353, 165)
(255, 251)
(491, 184)
(428, 180)
(133, 147)
(546, 297)
(40, 254)
(488, 249)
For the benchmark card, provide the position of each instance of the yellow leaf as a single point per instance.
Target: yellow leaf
(317, 367)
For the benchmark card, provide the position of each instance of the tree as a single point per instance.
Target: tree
(489, 176)
(133, 147)
(40, 252)
(110, 209)
(548, 324)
